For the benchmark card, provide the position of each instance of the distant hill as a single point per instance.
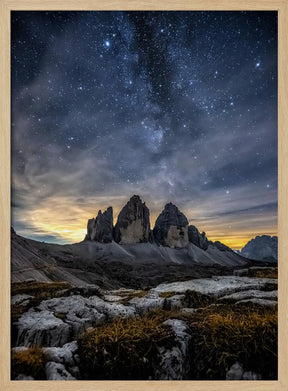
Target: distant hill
(261, 248)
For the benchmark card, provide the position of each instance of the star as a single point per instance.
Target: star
(164, 103)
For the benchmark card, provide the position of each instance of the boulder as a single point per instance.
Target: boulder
(251, 294)
(133, 223)
(100, 229)
(42, 328)
(194, 236)
(171, 228)
(147, 303)
(59, 320)
(173, 363)
(175, 302)
(65, 355)
(236, 372)
(259, 302)
(56, 371)
(217, 286)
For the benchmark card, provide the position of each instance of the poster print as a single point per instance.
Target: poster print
(144, 195)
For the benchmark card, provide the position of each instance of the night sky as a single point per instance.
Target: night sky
(173, 106)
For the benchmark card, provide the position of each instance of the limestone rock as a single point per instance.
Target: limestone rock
(147, 303)
(58, 320)
(236, 372)
(171, 228)
(100, 229)
(56, 371)
(251, 294)
(65, 355)
(173, 363)
(217, 286)
(194, 236)
(175, 302)
(21, 299)
(259, 302)
(42, 328)
(133, 224)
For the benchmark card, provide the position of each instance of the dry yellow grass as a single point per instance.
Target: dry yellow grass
(221, 335)
(30, 362)
(265, 273)
(229, 333)
(38, 288)
(123, 349)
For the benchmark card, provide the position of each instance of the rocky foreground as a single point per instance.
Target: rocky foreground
(131, 302)
(222, 327)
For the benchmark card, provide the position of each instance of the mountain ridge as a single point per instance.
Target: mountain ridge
(261, 248)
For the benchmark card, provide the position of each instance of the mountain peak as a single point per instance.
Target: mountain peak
(171, 227)
(261, 248)
(133, 223)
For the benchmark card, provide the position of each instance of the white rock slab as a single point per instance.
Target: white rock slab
(216, 286)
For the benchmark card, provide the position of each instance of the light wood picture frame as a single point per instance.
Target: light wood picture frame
(277, 5)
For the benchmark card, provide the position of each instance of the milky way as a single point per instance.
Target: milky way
(173, 106)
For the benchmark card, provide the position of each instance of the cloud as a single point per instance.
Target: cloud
(175, 115)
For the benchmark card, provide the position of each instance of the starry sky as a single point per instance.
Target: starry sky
(173, 106)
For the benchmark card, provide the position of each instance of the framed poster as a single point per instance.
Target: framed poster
(140, 235)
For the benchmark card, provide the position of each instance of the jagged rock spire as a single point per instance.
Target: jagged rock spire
(171, 227)
(133, 224)
(194, 236)
(100, 229)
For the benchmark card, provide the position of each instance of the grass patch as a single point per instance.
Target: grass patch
(265, 273)
(29, 362)
(37, 288)
(167, 295)
(125, 348)
(269, 287)
(140, 293)
(224, 334)
(191, 299)
(128, 296)
(198, 300)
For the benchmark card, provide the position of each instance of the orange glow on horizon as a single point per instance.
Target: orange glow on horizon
(75, 231)
(64, 219)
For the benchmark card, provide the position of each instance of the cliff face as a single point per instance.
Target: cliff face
(194, 236)
(133, 224)
(100, 229)
(171, 228)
